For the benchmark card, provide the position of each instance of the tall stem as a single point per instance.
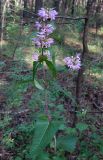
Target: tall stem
(46, 109)
(42, 51)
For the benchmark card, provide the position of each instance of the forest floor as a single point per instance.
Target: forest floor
(21, 102)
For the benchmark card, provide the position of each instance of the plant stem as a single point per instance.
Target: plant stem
(46, 97)
(42, 51)
(46, 109)
(55, 146)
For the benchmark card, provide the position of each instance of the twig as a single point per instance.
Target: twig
(15, 113)
(97, 107)
(71, 18)
(27, 110)
(16, 72)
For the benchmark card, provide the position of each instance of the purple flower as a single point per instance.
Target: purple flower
(38, 25)
(47, 43)
(41, 41)
(35, 57)
(46, 14)
(41, 35)
(73, 62)
(43, 14)
(37, 42)
(44, 29)
(52, 14)
(48, 29)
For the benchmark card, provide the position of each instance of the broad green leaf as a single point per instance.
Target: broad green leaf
(62, 127)
(67, 143)
(71, 131)
(43, 156)
(36, 83)
(44, 132)
(51, 67)
(81, 126)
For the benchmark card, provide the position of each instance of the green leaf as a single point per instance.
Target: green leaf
(44, 132)
(35, 67)
(81, 126)
(36, 83)
(71, 131)
(43, 156)
(24, 81)
(51, 67)
(58, 158)
(67, 143)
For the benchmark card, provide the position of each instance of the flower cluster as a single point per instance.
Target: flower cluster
(42, 39)
(47, 14)
(73, 63)
(36, 56)
(42, 42)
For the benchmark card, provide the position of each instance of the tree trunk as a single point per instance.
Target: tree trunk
(38, 5)
(79, 81)
(73, 7)
(56, 5)
(25, 9)
(97, 14)
(31, 3)
(85, 49)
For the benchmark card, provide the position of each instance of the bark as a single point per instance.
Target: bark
(38, 5)
(97, 14)
(56, 5)
(25, 9)
(31, 3)
(66, 6)
(12, 6)
(73, 7)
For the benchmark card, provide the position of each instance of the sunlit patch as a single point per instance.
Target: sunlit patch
(3, 42)
(3, 82)
(97, 75)
(95, 48)
(99, 32)
(73, 42)
(26, 56)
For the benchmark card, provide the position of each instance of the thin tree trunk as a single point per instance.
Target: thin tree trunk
(3, 11)
(73, 7)
(38, 5)
(25, 8)
(31, 4)
(56, 5)
(98, 8)
(79, 81)
(85, 49)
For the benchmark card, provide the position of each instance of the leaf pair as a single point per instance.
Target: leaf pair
(44, 132)
(36, 65)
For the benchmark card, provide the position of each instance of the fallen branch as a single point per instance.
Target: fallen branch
(11, 112)
(97, 107)
(71, 18)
